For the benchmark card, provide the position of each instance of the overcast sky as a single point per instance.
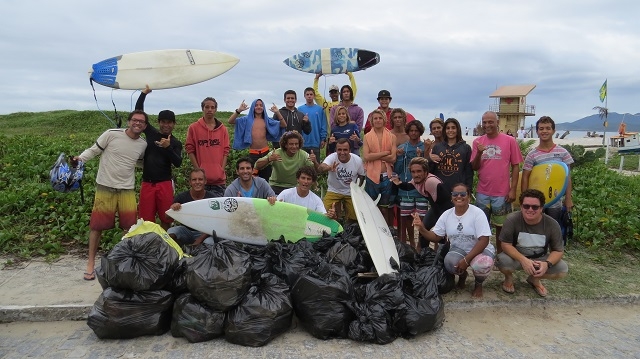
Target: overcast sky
(436, 56)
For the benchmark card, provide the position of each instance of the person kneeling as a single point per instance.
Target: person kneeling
(467, 228)
(526, 237)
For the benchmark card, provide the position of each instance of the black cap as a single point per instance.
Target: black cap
(384, 93)
(167, 115)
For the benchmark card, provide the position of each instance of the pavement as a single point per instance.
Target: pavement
(42, 291)
(44, 307)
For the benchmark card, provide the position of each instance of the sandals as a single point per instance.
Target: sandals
(539, 288)
(89, 276)
(508, 288)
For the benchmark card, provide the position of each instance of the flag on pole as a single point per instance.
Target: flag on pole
(603, 91)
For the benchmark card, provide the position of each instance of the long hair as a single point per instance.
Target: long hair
(458, 129)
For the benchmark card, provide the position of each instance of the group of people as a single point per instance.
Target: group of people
(424, 186)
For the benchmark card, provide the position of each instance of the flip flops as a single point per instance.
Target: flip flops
(508, 288)
(89, 276)
(539, 288)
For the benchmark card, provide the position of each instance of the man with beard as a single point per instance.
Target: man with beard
(344, 168)
(120, 150)
(248, 186)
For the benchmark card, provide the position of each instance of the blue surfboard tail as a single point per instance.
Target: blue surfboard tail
(441, 116)
(105, 72)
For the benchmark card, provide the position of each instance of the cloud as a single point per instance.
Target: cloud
(436, 56)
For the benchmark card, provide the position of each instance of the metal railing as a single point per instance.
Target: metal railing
(513, 109)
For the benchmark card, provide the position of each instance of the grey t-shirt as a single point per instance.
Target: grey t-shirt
(535, 240)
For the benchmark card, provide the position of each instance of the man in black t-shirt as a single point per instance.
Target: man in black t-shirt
(183, 234)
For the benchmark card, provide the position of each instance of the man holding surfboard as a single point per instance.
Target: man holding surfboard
(302, 195)
(120, 150)
(333, 93)
(548, 151)
(182, 234)
(163, 151)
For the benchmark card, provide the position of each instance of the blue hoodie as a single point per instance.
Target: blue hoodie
(242, 132)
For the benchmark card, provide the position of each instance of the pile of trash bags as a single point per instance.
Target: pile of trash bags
(249, 294)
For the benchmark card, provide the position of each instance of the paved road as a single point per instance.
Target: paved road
(584, 331)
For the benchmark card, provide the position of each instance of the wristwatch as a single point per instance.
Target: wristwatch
(549, 264)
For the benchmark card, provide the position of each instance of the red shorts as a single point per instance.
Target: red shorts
(155, 198)
(107, 202)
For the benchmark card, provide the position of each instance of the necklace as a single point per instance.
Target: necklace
(460, 227)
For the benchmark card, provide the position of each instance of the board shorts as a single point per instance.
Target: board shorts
(254, 156)
(495, 208)
(332, 197)
(505, 262)
(107, 202)
(412, 201)
(155, 198)
(383, 189)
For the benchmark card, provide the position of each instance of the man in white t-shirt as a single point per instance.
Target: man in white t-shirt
(344, 168)
(302, 194)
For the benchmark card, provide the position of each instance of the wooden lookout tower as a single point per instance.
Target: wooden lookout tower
(511, 107)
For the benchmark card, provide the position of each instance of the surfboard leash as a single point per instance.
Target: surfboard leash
(117, 116)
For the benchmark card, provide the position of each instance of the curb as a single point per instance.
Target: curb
(80, 312)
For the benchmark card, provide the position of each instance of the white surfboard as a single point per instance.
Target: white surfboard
(161, 69)
(374, 230)
(254, 220)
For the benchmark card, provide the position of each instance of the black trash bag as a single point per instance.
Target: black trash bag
(446, 281)
(384, 300)
(323, 244)
(343, 253)
(406, 253)
(195, 321)
(291, 260)
(178, 284)
(424, 305)
(352, 235)
(264, 313)
(142, 262)
(321, 300)
(125, 314)
(260, 261)
(220, 276)
(425, 257)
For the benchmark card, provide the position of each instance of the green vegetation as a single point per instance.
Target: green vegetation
(38, 221)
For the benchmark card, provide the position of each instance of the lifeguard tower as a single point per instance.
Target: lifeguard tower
(511, 107)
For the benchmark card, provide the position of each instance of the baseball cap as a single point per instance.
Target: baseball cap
(167, 115)
(384, 93)
(333, 88)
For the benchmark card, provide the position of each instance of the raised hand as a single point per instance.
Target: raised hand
(243, 106)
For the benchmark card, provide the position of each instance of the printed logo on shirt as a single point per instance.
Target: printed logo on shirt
(450, 163)
(210, 142)
(343, 175)
(493, 152)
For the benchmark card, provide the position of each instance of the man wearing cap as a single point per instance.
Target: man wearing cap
(384, 99)
(334, 94)
(163, 150)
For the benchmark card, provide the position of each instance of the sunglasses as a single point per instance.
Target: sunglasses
(534, 207)
(458, 194)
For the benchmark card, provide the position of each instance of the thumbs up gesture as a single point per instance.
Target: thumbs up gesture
(312, 157)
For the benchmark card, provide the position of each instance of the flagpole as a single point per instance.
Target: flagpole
(606, 113)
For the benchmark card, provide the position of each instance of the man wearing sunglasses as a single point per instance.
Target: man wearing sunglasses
(531, 241)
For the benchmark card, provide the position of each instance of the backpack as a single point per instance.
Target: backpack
(65, 178)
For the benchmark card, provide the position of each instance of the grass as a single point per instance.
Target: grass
(38, 221)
